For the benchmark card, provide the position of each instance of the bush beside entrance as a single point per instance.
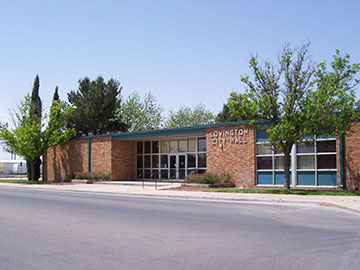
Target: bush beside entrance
(209, 178)
(94, 176)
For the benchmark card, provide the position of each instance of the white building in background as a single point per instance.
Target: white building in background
(10, 167)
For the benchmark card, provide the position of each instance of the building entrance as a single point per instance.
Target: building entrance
(177, 166)
(170, 159)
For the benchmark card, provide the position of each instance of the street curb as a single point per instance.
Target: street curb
(341, 206)
(198, 198)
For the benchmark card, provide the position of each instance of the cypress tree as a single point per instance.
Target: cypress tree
(35, 113)
(56, 94)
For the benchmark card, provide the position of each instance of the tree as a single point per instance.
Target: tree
(31, 137)
(36, 104)
(224, 115)
(186, 116)
(141, 114)
(56, 94)
(297, 99)
(35, 113)
(96, 106)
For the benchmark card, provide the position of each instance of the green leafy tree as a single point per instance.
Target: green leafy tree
(297, 99)
(96, 106)
(31, 137)
(141, 114)
(186, 116)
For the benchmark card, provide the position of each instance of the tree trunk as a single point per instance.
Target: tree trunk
(287, 159)
(32, 169)
(37, 168)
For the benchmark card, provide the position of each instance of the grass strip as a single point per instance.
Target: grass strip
(26, 182)
(293, 192)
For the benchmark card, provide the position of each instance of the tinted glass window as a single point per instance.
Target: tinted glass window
(139, 161)
(147, 147)
(202, 160)
(164, 161)
(326, 161)
(307, 147)
(191, 160)
(202, 144)
(325, 146)
(147, 161)
(139, 147)
(155, 161)
(264, 163)
(155, 146)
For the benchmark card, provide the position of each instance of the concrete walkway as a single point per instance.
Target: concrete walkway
(351, 203)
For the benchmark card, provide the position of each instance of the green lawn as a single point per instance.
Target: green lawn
(294, 192)
(25, 182)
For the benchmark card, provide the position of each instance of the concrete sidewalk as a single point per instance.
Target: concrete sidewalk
(351, 203)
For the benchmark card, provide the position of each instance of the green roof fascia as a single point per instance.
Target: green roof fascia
(166, 132)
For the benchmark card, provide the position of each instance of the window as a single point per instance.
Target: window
(202, 160)
(155, 161)
(164, 161)
(315, 162)
(191, 145)
(182, 145)
(202, 144)
(164, 147)
(155, 147)
(139, 163)
(173, 146)
(306, 162)
(264, 163)
(307, 147)
(170, 158)
(147, 147)
(139, 147)
(191, 160)
(147, 161)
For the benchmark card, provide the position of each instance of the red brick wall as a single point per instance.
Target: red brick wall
(352, 158)
(234, 158)
(123, 166)
(60, 161)
(101, 154)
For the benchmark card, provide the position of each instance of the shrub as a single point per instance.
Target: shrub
(92, 176)
(209, 178)
(69, 177)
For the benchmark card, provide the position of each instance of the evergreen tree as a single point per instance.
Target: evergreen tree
(97, 107)
(36, 105)
(225, 115)
(35, 113)
(56, 94)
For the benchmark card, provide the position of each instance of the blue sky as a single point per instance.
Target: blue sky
(184, 52)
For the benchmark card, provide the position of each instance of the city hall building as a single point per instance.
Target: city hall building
(172, 154)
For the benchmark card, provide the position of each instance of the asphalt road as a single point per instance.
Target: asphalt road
(68, 230)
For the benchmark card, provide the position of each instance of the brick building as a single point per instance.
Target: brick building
(332, 162)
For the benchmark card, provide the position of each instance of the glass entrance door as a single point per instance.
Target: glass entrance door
(173, 167)
(177, 166)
